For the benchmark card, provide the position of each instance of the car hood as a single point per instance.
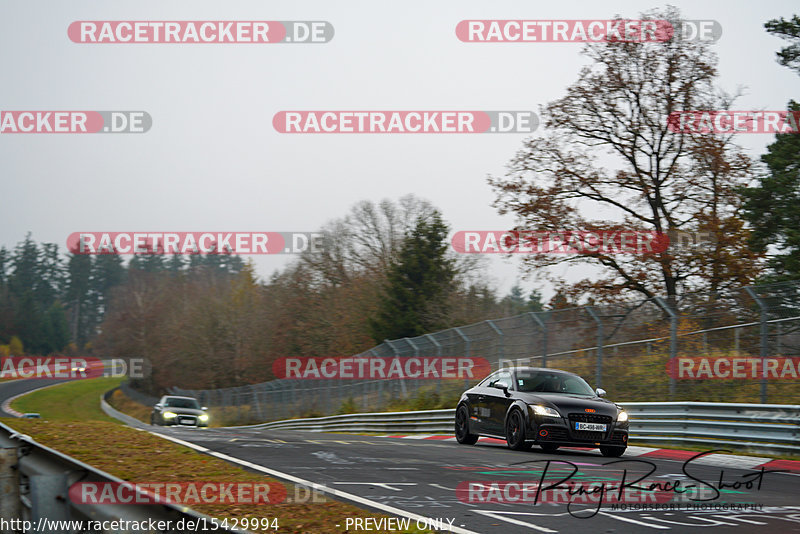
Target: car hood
(569, 403)
(184, 411)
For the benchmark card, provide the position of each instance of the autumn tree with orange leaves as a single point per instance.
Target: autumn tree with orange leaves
(609, 161)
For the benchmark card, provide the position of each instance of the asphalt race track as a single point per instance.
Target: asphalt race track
(422, 476)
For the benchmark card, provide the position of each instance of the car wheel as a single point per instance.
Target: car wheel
(515, 432)
(462, 427)
(152, 421)
(612, 452)
(549, 447)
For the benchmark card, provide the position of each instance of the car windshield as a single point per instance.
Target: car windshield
(547, 382)
(182, 403)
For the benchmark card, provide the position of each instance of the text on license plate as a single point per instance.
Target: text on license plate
(594, 427)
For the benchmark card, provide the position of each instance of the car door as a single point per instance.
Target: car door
(479, 412)
(497, 402)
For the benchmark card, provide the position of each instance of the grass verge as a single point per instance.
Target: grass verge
(73, 423)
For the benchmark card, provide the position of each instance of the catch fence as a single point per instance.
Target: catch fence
(627, 349)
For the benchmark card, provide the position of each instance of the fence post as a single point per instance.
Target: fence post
(501, 346)
(543, 328)
(468, 351)
(402, 381)
(599, 371)
(439, 354)
(673, 339)
(764, 341)
(416, 355)
(380, 382)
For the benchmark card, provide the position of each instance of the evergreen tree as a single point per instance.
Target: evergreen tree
(789, 56)
(55, 332)
(534, 303)
(773, 206)
(418, 283)
(78, 298)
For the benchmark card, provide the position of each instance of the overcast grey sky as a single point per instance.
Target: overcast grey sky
(212, 160)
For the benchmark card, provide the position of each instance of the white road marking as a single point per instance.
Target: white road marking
(319, 487)
(635, 522)
(385, 485)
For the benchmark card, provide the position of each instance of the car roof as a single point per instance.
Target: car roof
(537, 369)
(178, 397)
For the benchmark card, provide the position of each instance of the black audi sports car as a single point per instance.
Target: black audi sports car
(182, 411)
(546, 407)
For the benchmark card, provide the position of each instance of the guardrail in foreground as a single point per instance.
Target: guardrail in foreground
(761, 428)
(34, 485)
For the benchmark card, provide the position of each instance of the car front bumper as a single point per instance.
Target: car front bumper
(185, 420)
(562, 430)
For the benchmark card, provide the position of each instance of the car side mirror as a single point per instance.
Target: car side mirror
(503, 387)
(600, 392)
(157, 405)
(204, 408)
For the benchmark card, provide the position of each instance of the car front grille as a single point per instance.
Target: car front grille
(590, 418)
(588, 435)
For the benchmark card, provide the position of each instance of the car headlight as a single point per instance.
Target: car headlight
(203, 417)
(170, 415)
(622, 417)
(545, 411)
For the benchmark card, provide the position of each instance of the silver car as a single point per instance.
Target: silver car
(179, 411)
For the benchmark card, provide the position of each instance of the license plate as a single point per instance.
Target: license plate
(594, 427)
(187, 422)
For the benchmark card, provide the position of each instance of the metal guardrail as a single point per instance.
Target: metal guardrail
(34, 487)
(760, 428)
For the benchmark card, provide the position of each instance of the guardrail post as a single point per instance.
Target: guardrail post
(9, 484)
(599, 371)
(543, 328)
(49, 497)
(673, 338)
(764, 341)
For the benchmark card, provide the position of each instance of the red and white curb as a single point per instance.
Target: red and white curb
(6, 406)
(717, 460)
